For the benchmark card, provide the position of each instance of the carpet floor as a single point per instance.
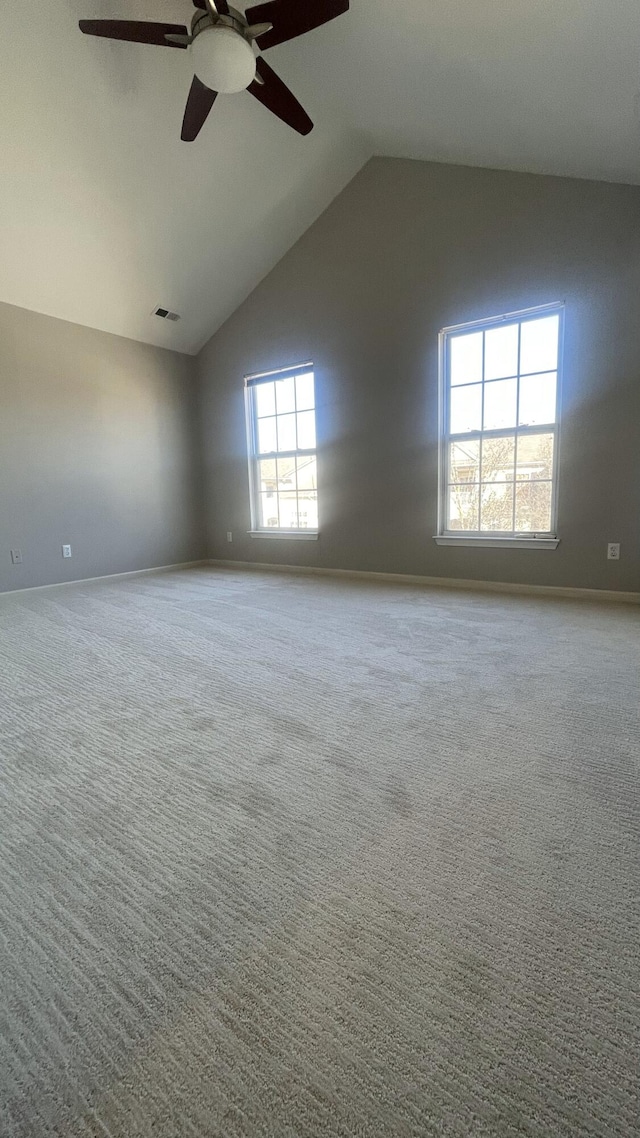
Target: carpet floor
(286, 857)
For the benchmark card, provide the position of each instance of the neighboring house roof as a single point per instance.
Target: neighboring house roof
(274, 483)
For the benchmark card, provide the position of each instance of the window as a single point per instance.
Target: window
(498, 458)
(281, 433)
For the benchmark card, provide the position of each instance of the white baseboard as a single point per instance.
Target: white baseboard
(106, 577)
(440, 582)
(363, 575)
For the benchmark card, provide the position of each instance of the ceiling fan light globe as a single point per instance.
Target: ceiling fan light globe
(223, 59)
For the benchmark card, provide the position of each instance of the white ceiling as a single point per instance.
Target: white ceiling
(104, 213)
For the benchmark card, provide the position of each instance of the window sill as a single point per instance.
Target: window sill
(286, 534)
(498, 542)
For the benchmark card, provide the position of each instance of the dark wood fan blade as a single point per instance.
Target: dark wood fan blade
(291, 18)
(136, 31)
(277, 97)
(199, 103)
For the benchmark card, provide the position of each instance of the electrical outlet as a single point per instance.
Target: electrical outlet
(66, 551)
(613, 551)
(16, 556)
(229, 535)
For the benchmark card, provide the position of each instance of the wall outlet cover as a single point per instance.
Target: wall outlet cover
(16, 556)
(66, 551)
(613, 551)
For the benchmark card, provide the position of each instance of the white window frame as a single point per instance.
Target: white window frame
(254, 455)
(547, 540)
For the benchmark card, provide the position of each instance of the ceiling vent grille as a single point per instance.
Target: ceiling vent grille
(165, 314)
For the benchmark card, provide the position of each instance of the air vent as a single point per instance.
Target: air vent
(165, 314)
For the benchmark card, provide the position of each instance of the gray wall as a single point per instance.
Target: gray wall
(406, 249)
(96, 450)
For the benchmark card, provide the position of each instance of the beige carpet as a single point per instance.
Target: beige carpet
(290, 857)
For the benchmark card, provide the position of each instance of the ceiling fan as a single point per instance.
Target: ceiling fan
(221, 45)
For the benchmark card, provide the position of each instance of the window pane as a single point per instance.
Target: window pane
(305, 398)
(268, 511)
(268, 475)
(308, 510)
(285, 395)
(267, 435)
(533, 507)
(286, 432)
(288, 503)
(498, 459)
(284, 479)
(466, 358)
(539, 344)
(537, 399)
(306, 430)
(466, 409)
(286, 473)
(535, 457)
(265, 399)
(464, 461)
(501, 351)
(501, 431)
(307, 474)
(463, 507)
(496, 507)
(500, 404)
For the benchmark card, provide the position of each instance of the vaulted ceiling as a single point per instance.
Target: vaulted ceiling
(104, 213)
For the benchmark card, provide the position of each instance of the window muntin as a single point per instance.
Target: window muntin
(281, 433)
(500, 400)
